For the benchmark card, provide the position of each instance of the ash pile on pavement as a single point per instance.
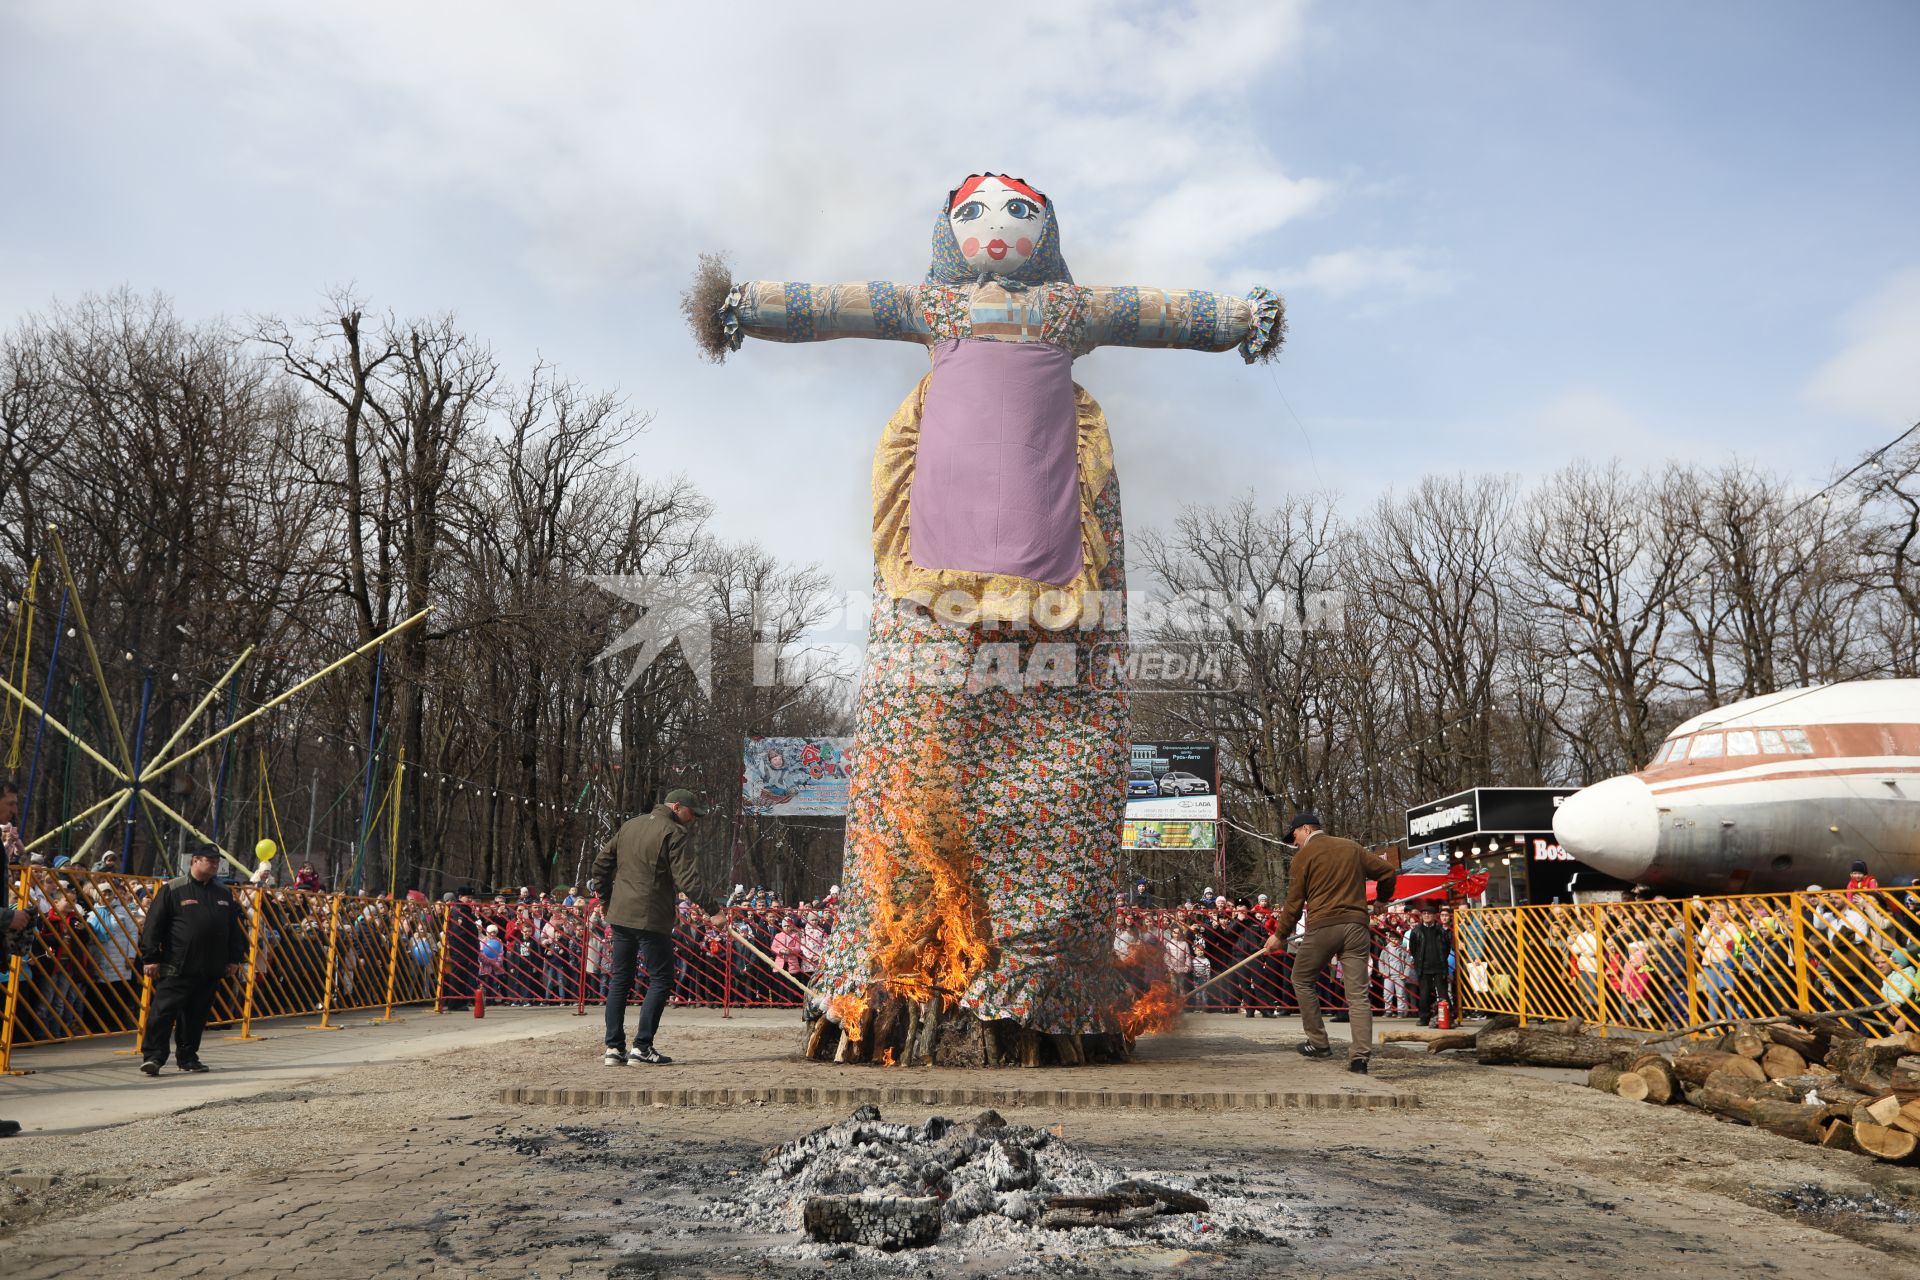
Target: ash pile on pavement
(1810, 1200)
(915, 1193)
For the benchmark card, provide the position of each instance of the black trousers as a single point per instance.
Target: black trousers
(178, 1013)
(1431, 987)
(656, 951)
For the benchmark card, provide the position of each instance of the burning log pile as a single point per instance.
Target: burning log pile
(929, 936)
(977, 1183)
(1805, 1076)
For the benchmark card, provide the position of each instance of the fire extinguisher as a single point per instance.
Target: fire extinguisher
(480, 1001)
(1443, 1014)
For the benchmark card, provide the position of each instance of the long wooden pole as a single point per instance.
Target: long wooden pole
(1228, 972)
(748, 944)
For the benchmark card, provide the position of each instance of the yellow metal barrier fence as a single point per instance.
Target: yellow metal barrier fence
(1669, 965)
(308, 953)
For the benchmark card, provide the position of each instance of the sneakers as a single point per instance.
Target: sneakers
(197, 1067)
(647, 1053)
(1311, 1050)
(1358, 1066)
(149, 1068)
(614, 1058)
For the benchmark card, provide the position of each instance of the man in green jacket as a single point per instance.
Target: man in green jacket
(640, 871)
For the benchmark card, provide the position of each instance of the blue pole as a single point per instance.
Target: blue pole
(139, 751)
(226, 751)
(366, 787)
(46, 692)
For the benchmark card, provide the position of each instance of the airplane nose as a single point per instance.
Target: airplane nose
(1612, 826)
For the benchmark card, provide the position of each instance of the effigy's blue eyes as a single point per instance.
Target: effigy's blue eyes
(969, 211)
(1021, 208)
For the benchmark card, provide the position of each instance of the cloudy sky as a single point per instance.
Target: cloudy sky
(1510, 234)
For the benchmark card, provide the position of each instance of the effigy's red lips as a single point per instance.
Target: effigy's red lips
(996, 249)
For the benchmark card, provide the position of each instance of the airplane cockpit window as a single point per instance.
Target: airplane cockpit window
(1706, 746)
(1741, 742)
(1797, 741)
(1772, 743)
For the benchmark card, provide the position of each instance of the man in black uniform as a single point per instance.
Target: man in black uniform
(1431, 946)
(193, 937)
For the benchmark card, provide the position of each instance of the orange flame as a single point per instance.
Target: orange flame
(1157, 1009)
(1159, 1006)
(886, 1056)
(928, 936)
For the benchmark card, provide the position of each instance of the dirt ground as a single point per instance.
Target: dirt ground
(416, 1168)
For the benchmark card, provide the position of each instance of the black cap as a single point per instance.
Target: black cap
(1861, 867)
(1299, 820)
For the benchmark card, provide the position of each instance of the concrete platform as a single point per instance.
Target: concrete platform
(90, 1084)
(1208, 1063)
(957, 1097)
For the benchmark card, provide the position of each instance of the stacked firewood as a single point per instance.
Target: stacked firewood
(1806, 1076)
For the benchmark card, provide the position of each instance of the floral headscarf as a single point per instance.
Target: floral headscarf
(1044, 267)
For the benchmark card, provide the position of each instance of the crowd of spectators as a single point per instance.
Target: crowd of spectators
(1677, 963)
(1212, 934)
(1657, 962)
(536, 948)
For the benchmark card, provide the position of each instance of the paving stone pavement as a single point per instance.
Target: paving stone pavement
(387, 1208)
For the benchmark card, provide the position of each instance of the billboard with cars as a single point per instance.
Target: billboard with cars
(1173, 780)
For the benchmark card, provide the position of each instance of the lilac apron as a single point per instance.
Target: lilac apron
(996, 482)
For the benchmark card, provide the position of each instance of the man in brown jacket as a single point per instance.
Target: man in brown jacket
(639, 872)
(1329, 882)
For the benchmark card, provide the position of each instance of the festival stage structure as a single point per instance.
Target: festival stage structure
(139, 777)
(985, 805)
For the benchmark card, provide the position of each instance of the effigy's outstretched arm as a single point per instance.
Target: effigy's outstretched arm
(722, 313)
(1193, 319)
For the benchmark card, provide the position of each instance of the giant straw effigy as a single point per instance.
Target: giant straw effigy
(991, 738)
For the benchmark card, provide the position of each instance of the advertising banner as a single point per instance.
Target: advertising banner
(1162, 833)
(796, 777)
(1178, 780)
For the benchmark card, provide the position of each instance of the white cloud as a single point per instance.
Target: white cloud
(1876, 375)
(810, 142)
(552, 172)
(1411, 272)
(1584, 415)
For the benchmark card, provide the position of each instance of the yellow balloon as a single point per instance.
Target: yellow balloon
(265, 850)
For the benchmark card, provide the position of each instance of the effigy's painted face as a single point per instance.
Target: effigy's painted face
(996, 226)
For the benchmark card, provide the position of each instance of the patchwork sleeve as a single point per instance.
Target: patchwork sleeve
(794, 311)
(1193, 319)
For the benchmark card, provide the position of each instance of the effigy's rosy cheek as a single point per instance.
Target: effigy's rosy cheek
(1024, 247)
(970, 246)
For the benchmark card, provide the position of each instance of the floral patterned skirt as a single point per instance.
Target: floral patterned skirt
(1027, 730)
